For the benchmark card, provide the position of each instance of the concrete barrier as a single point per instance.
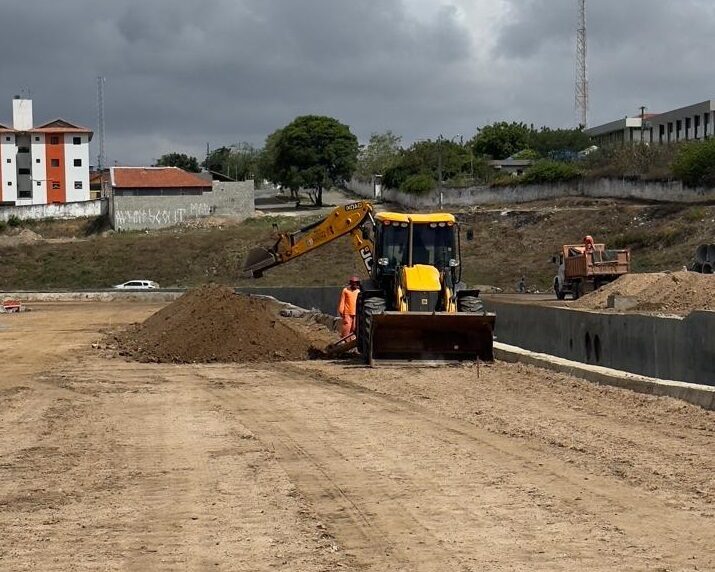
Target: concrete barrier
(700, 395)
(675, 348)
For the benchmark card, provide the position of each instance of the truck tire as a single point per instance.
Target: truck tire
(577, 290)
(370, 306)
(470, 304)
(560, 294)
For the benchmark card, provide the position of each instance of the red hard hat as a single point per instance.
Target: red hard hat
(354, 279)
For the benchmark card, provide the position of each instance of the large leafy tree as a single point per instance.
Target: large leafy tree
(501, 140)
(181, 160)
(381, 153)
(312, 152)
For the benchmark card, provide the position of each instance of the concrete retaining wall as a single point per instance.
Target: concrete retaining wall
(234, 200)
(680, 349)
(57, 210)
(673, 191)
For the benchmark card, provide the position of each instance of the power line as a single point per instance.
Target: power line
(582, 96)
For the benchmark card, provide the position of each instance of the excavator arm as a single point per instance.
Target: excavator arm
(342, 221)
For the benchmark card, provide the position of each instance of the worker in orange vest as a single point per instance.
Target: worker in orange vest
(347, 307)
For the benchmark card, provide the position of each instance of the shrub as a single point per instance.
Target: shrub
(550, 172)
(14, 221)
(694, 164)
(418, 185)
(3, 225)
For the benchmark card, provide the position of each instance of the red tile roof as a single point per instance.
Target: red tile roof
(60, 126)
(155, 178)
(5, 128)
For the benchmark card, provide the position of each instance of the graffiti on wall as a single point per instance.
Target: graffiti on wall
(149, 217)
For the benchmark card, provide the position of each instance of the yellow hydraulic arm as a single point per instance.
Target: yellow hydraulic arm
(348, 219)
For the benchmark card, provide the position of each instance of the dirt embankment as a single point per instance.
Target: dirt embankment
(663, 292)
(214, 324)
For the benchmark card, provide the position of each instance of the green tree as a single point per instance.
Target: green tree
(694, 164)
(550, 142)
(180, 160)
(501, 140)
(382, 152)
(313, 152)
(239, 162)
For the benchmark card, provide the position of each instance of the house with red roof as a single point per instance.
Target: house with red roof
(42, 164)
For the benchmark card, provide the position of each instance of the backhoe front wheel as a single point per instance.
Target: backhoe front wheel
(470, 304)
(370, 307)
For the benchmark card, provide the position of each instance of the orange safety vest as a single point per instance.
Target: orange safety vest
(348, 301)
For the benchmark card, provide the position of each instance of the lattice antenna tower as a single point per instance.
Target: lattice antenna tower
(101, 158)
(581, 70)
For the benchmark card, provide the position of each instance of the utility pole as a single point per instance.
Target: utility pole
(439, 171)
(101, 158)
(643, 108)
(582, 95)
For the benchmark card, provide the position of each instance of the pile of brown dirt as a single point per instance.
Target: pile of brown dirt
(662, 292)
(214, 324)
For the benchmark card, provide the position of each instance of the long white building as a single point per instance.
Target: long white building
(48, 163)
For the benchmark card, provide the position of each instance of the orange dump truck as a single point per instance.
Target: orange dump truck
(588, 266)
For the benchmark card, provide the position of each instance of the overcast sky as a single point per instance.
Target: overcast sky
(181, 73)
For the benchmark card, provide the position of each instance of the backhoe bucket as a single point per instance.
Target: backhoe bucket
(257, 260)
(431, 338)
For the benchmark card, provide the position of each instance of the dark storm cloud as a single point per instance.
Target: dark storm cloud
(640, 52)
(182, 73)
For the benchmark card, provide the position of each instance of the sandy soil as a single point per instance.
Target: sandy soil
(106, 464)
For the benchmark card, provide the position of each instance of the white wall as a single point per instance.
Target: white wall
(22, 114)
(9, 170)
(57, 210)
(77, 174)
(39, 170)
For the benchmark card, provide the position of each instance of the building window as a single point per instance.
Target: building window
(54, 140)
(23, 171)
(76, 140)
(38, 183)
(54, 162)
(8, 139)
(23, 149)
(78, 185)
(78, 162)
(24, 194)
(37, 139)
(56, 185)
(9, 160)
(9, 183)
(37, 160)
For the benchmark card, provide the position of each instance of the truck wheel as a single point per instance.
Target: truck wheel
(470, 304)
(560, 294)
(576, 291)
(371, 306)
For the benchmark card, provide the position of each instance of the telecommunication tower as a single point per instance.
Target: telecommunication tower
(581, 71)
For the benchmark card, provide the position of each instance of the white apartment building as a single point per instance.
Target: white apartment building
(43, 164)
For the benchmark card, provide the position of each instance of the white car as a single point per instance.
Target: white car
(137, 285)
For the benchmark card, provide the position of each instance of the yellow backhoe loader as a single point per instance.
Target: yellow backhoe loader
(414, 307)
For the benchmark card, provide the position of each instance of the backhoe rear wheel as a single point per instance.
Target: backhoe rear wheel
(471, 304)
(370, 306)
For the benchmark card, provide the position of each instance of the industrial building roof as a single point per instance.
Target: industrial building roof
(155, 178)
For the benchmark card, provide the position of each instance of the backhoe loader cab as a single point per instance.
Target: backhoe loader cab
(414, 307)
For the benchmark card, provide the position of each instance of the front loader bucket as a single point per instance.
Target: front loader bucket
(426, 337)
(257, 260)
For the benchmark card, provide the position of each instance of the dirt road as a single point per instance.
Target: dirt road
(312, 466)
